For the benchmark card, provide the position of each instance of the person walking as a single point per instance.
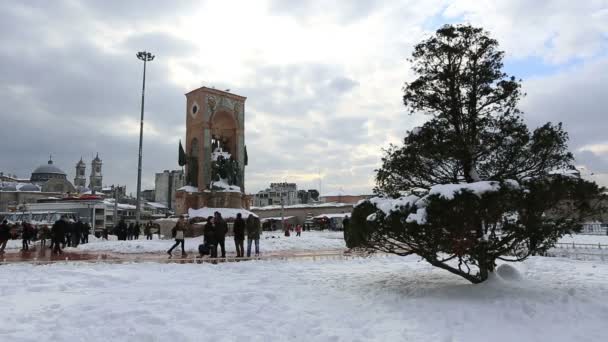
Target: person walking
(26, 235)
(58, 234)
(239, 235)
(221, 228)
(209, 235)
(5, 234)
(253, 234)
(178, 234)
(299, 230)
(44, 233)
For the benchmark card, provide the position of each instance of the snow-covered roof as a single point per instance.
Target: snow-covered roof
(225, 212)
(188, 188)
(276, 218)
(338, 193)
(124, 206)
(297, 206)
(156, 205)
(334, 215)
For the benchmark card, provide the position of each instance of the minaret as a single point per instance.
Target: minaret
(80, 180)
(95, 179)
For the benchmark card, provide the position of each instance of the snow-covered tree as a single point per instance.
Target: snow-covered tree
(473, 184)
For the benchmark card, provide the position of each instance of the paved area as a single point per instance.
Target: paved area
(44, 256)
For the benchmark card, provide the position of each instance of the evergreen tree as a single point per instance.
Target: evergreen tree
(475, 184)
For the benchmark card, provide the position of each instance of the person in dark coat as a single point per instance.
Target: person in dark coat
(136, 231)
(346, 229)
(67, 234)
(221, 228)
(78, 228)
(130, 231)
(121, 229)
(5, 235)
(253, 234)
(148, 231)
(58, 234)
(26, 235)
(239, 235)
(209, 235)
(84, 233)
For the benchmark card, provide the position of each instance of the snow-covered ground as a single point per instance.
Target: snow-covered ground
(590, 239)
(269, 242)
(372, 299)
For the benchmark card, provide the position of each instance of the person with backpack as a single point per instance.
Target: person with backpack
(178, 235)
(253, 234)
(239, 235)
(209, 242)
(221, 228)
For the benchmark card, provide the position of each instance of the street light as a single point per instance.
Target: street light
(146, 57)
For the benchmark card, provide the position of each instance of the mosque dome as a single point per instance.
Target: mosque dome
(45, 172)
(28, 187)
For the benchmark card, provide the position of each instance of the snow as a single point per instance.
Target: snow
(329, 216)
(277, 218)
(219, 152)
(419, 216)
(110, 202)
(223, 184)
(297, 206)
(586, 239)
(156, 205)
(225, 212)
(387, 205)
(364, 299)
(448, 191)
(338, 193)
(188, 188)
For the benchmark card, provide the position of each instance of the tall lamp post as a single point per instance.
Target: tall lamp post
(146, 57)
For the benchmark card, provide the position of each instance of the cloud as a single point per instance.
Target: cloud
(323, 79)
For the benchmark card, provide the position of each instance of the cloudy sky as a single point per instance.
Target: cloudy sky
(323, 79)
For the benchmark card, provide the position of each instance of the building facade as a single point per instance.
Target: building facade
(166, 184)
(277, 193)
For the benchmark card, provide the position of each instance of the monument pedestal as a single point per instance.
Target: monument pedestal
(210, 199)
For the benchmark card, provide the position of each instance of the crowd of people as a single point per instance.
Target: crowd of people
(132, 230)
(214, 234)
(63, 233)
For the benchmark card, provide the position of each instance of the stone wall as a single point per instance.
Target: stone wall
(300, 213)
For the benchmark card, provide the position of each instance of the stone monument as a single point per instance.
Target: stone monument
(215, 154)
